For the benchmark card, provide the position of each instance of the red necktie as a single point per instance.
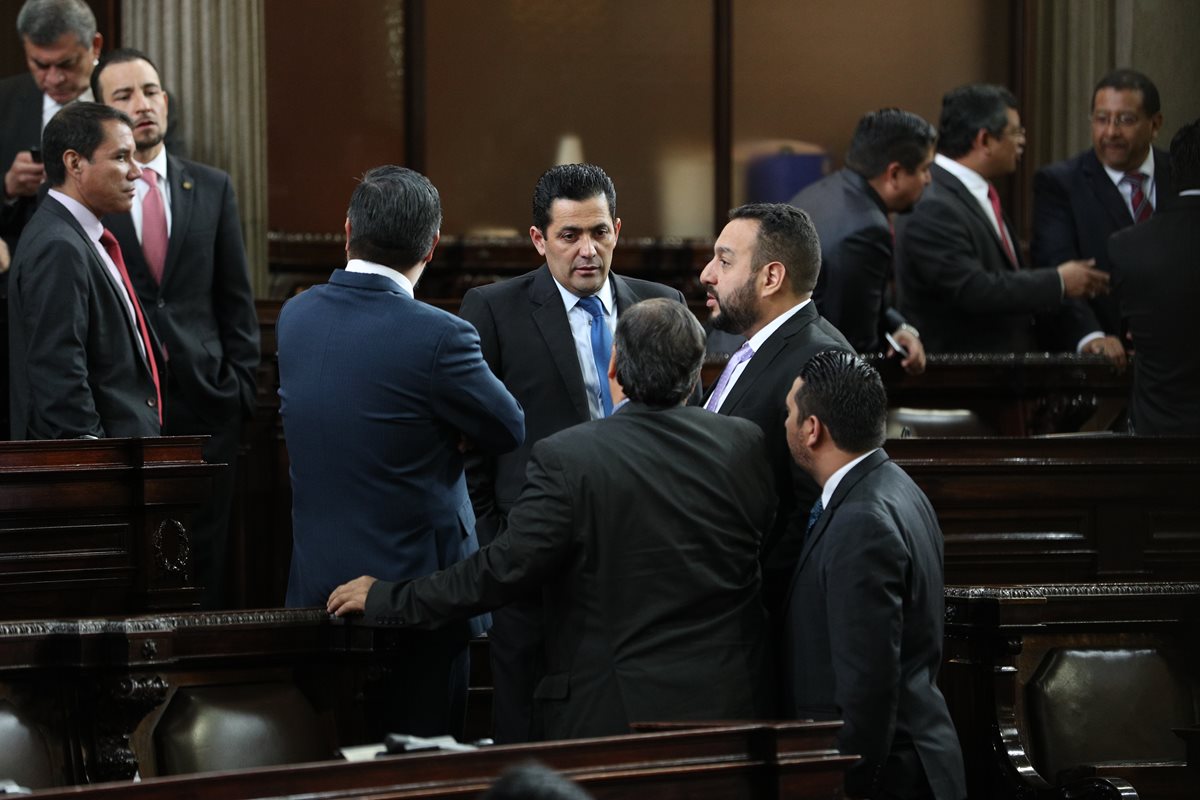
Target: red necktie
(154, 227)
(1142, 207)
(109, 242)
(995, 201)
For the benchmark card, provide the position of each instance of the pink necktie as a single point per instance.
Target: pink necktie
(1142, 207)
(154, 227)
(714, 400)
(994, 198)
(109, 243)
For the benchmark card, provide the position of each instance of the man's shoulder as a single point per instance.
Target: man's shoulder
(642, 289)
(16, 88)
(199, 172)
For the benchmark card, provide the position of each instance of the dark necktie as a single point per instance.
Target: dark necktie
(601, 347)
(109, 243)
(154, 227)
(814, 515)
(1140, 203)
(994, 199)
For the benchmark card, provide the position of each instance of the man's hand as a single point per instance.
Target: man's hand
(1081, 280)
(24, 176)
(5, 257)
(1111, 348)
(350, 598)
(914, 362)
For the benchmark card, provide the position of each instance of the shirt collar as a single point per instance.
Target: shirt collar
(83, 215)
(50, 106)
(1147, 170)
(976, 184)
(836, 478)
(759, 339)
(604, 295)
(159, 165)
(371, 268)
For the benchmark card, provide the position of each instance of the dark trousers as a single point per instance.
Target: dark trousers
(517, 651)
(424, 692)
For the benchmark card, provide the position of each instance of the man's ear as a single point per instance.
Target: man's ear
(812, 431)
(538, 238)
(347, 238)
(437, 237)
(615, 390)
(774, 278)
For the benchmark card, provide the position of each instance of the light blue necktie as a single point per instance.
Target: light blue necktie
(601, 347)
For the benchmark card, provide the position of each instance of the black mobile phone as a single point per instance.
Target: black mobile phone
(35, 153)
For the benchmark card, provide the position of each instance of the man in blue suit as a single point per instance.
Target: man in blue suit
(380, 397)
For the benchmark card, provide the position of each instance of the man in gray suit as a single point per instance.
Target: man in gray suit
(865, 608)
(84, 361)
(643, 531)
(887, 169)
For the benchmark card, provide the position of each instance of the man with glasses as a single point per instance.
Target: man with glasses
(961, 278)
(1080, 202)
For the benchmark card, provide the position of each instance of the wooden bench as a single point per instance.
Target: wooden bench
(783, 760)
(98, 526)
(1061, 508)
(1074, 690)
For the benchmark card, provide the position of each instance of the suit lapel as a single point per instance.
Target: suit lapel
(550, 317)
(182, 197)
(847, 484)
(760, 362)
(951, 183)
(97, 264)
(1106, 192)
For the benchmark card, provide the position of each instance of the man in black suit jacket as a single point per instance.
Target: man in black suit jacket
(643, 531)
(1156, 278)
(197, 296)
(866, 603)
(61, 46)
(759, 285)
(1080, 202)
(960, 275)
(887, 169)
(83, 359)
(535, 336)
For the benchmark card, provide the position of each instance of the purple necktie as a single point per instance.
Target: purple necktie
(743, 353)
(154, 227)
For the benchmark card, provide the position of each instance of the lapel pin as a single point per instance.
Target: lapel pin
(187, 184)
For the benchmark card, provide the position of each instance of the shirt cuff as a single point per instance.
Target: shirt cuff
(1090, 337)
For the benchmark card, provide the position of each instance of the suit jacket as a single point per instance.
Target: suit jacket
(644, 528)
(864, 642)
(1156, 281)
(856, 257)
(76, 367)
(760, 395)
(528, 344)
(377, 390)
(204, 309)
(1076, 208)
(955, 281)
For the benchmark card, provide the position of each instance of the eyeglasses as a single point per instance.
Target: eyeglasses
(1126, 119)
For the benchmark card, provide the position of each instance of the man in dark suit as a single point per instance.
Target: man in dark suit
(83, 359)
(643, 531)
(183, 245)
(380, 395)
(61, 45)
(866, 604)
(759, 285)
(960, 275)
(1079, 203)
(537, 336)
(887, 169)
(1156, 278)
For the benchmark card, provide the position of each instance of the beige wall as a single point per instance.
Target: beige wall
(1166, 46)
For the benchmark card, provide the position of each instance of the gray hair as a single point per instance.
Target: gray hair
(44, 22)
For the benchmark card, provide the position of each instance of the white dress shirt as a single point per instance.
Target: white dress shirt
(141, 188)
(50, 106)
(581, 331)
(1126, 190)
(371, 268)
(756, 342)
